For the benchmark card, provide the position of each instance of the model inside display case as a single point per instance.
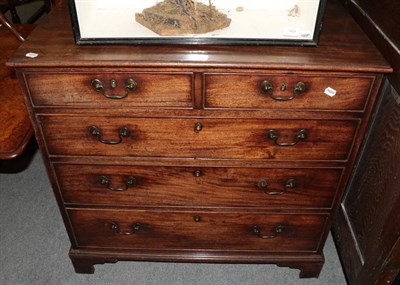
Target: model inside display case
(182, 17)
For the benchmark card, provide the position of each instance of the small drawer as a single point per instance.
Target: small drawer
(202, 138)
(145, 229)
(197, 186)
(115, 89)
(270, 91)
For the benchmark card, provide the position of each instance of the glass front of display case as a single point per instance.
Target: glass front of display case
(286, 22)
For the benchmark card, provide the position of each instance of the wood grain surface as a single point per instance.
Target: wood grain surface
(15, 126)
(342, 44)
(219, 138)
(198, 186)
(243, 90)
(153, 89)
(371, 208)
(181, 230)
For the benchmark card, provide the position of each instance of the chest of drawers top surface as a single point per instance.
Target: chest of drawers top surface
(343, 47)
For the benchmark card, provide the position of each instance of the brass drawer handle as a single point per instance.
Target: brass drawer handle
(136, 227)
(257, 231)
(130, 181)
(289, 184)
(301, 135)
(123, 132)
(130, 86)
(267, 88)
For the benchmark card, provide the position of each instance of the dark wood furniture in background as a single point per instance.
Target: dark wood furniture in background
(367, 226)
(200, 161)
(15, 126)
(12, 7)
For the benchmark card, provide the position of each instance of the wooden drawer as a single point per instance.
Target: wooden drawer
(244, 91)
(197, 187)
(214, 138)
(144, 229)
(76, 90)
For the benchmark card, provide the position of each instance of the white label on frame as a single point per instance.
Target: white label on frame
(291, 32)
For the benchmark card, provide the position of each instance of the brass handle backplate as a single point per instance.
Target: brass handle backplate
(299, 88)
(130, 181)
(301, 135)
(130, 86)
(289, 184)
(135, 228)
(96, 132)
(267, 88)
(262, 184)
(257, 231)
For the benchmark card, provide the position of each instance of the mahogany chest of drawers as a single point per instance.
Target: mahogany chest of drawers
(200, 153)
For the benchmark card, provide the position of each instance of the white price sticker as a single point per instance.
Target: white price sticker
(330, 91)
(32, 55)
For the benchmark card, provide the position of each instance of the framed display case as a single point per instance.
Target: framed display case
(207, 22)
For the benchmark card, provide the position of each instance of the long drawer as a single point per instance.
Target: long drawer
(140, 229)
(200, 138)
(271, 91)
(197, 186)
(112, 89)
